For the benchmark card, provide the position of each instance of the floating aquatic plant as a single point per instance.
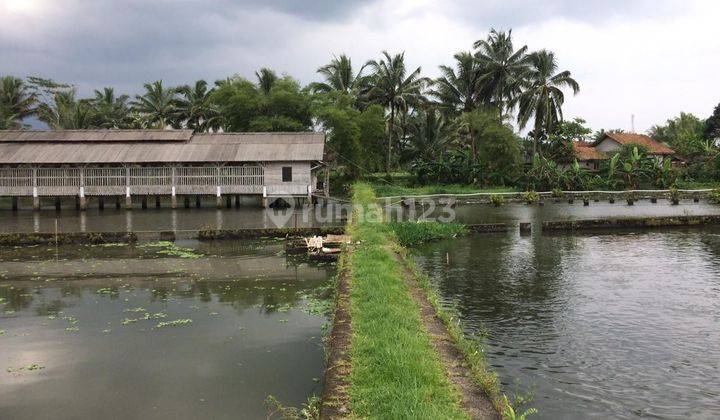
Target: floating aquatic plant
(174, 323)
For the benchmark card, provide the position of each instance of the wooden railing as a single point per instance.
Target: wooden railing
(135, 180)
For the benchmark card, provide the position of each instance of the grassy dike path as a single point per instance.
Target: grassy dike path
(392, 355)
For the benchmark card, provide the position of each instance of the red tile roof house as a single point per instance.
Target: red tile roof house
(589, 155)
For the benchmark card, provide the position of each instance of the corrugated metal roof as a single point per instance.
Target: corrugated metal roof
(225, 147)
(94, 135)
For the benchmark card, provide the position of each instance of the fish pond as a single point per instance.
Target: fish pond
(592, 325)
(159, 330)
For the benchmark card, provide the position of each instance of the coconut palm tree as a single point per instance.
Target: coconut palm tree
(17, 101)
(158, 105)
(109, 110)
(391, 86)
(542, 97)
(64, 112)
(266, 79)
(195, 108)
(339, 77)
(459, 89)
(504, 69)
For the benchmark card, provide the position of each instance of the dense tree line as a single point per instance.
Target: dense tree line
(384, 116)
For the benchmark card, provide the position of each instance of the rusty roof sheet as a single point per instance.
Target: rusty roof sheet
(654, 147)
(585, 151)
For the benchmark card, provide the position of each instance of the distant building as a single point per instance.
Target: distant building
(612, 142)
(589, 155)
(127, 163)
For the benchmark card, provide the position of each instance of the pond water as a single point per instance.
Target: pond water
(474, 213)
(159, 331)
(165, 219)
(614, 325)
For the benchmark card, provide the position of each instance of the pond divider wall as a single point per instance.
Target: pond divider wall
(517, 196)
(488, 227)
(18, 239)
(631, 222)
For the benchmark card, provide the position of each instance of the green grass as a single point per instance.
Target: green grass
(414, 233)
(396, 373)
(697, 185)
(385, 190)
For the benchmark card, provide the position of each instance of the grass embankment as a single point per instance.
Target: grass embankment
(386, 190)
(396, 372)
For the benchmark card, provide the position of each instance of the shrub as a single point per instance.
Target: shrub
(557, 193)
(531, 197)
(714, 196)
(497, 200)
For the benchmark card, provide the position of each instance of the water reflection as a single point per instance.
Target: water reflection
(165, 219)
(609, 326)
(92, 318)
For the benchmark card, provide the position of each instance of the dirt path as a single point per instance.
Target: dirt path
(335, 398)
(474, 399)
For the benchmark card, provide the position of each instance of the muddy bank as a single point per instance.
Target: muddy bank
(631, 222)
(335, 398)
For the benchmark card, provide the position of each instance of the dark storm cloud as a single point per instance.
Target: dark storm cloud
(124, 43)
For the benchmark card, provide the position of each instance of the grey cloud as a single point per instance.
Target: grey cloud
(513, 13)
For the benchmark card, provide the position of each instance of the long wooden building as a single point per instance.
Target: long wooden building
(142, 163)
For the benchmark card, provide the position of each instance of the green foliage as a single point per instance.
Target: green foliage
(712, 125)
(277, 106)
(488, 151)
(508, 412)
(351, 134)
(309, 410)
(531, 197)
(414, 233)
(714, 196)
(497, 200)
(558, 193)
(685, 134)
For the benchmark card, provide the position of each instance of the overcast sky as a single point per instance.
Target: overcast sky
(650, 58)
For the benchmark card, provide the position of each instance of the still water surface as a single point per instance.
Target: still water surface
(92, 320)
(617, 325)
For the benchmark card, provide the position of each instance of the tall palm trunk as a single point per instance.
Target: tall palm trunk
(390, 138)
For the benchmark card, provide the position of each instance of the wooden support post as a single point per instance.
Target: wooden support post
(57, 203)
(117, 202)
(157, 201)
(187, 202)
(228, 201)
(128, 198)
(14, 204)
(218, 198)
(173, 196)
(144, 202)
(77, 202)
(101, 203)
(197, 201)
(36, 199)
(237, 201)
(82, 199)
